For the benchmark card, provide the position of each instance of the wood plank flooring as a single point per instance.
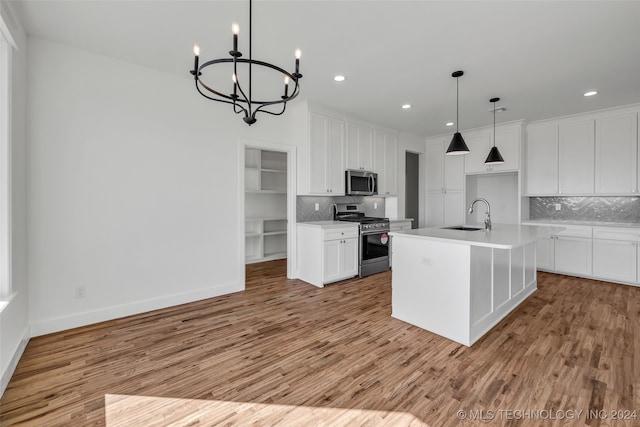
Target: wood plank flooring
(284, 352)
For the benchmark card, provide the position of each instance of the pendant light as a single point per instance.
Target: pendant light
(494, 157)
(457, 145)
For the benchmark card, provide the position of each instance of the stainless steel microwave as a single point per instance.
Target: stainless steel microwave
(360, 183)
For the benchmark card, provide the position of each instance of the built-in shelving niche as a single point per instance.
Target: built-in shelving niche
(265, 205)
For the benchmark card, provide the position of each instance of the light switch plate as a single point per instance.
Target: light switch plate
(558, 206)
(317, 206)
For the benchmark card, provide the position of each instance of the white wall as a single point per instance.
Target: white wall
(500, 190)
(133, 188)
(14, 321)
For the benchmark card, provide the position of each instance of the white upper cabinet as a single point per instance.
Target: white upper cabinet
(444, 173)
(385, 158)
(326, 155)
(616, 142)
(508, 140)
(359, 147)
(445, 183)
(479, 143)
(595, 153)
(542, 160)
(576, 157)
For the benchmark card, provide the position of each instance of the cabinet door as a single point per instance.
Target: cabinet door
(385, 155)
(508, 142)
(359, 147)
(318, 154)
(479, 144)
(616, 154)
(573, 255)
(454, 213)
(390, 178)
(435, 165)
(575, 157)
(434, 209)
(453, 172)
(614, 260)
(349, 256)
(335, 155)
(332, 261)
(545, 253)
(542, 160)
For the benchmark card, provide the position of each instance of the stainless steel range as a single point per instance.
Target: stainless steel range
(373, 251)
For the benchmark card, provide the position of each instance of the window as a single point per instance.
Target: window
(5, 160)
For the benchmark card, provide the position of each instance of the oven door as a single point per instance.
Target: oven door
(374, 252)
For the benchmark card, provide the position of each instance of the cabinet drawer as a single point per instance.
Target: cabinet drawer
(339, 233)
(615, 233)
(576, 231)
(400, 226)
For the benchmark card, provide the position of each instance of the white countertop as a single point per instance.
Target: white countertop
(328, 224)
(501, 236)
(584, 223)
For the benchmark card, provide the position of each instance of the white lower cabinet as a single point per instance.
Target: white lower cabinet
(340, 260)
(604, 253)
(545, 253)
(573, 255)
(615, 260)
(327, 253)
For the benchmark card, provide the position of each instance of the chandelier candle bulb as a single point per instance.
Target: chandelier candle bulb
(286, 86)
(235, 86)
(236, 29)
(196, 51)
(298, 55)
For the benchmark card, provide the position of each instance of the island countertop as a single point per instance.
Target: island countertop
(501, 236)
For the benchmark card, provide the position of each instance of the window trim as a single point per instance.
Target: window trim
(6, 45)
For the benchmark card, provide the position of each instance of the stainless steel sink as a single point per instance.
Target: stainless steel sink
(462, 228)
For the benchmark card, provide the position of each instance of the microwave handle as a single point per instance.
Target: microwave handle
(372, 184)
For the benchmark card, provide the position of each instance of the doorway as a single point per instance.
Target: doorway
(412, 188)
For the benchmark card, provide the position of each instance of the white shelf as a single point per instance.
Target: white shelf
(265, 205)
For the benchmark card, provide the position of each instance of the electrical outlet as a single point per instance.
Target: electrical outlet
(81, 292)
(558, 206)
(317, 206)
(375, 205)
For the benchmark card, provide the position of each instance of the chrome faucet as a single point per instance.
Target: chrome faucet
(487, 214)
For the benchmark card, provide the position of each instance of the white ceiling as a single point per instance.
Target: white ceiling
(539, 56)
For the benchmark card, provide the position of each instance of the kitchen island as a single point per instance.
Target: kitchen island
(459, 284)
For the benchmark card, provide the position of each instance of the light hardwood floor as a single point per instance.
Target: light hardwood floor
(287, 353)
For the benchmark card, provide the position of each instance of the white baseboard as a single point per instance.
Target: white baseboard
(109, 313)
(17, 354)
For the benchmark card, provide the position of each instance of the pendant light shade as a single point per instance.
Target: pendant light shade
(457, 145)
(494, 157)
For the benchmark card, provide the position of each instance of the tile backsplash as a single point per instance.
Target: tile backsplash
(602, 209)
(305, 206)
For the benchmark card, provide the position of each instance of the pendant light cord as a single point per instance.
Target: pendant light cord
(494, 124)
(457, 104)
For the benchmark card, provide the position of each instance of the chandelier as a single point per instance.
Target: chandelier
(241, 99)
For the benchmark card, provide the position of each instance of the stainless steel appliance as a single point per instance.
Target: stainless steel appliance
(373, 251)
(360, 183)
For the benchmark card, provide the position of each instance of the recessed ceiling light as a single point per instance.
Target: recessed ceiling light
(339, 78)
(591, 93)
(449, 124)
(406, 106)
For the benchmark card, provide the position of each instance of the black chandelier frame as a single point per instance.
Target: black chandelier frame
(244, 103)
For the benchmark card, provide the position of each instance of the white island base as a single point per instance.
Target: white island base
(459, 289)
